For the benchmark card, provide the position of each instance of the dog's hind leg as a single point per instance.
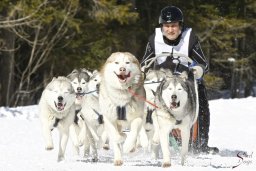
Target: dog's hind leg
(130, 141)
(185, 135)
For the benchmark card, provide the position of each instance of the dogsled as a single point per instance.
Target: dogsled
(195, 72)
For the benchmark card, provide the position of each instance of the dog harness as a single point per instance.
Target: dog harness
(100, 116)
(121, 112)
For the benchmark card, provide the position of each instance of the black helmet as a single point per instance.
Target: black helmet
(170, 14)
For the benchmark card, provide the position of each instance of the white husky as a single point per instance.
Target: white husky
(177, 101)
(120, 89)
(57, 109)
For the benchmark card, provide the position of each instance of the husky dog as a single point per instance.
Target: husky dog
(79, 79)
(151, 82)
(177, 101)
(93, 119)
(120, 89)
(57, 109)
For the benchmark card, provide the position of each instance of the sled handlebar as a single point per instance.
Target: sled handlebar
(149, 62)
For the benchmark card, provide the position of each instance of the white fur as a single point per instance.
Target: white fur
(114, 92)
(58, 88)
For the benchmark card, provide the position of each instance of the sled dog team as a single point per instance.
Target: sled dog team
(94, 109)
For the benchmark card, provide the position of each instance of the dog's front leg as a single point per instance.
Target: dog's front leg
(130, 142)
(144, 138)
(74, 132)
(164, 141)
(112, 129)
(47, 136)
(117, 154)
(64, 134)
(185, 135)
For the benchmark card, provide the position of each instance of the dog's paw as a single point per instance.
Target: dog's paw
(183, 160)
(166, 164)
(60, 158)
(132, 150)
(128, 148)
(118, 162)
(106, 147)
(49, 147)
(95, 159)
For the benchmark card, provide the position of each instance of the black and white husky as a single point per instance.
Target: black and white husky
(177, 107)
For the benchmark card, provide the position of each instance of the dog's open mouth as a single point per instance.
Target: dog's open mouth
(79, 96)
(123, 77)
(60, 106)
(175, 105)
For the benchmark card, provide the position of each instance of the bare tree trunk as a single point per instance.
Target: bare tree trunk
(7, 66)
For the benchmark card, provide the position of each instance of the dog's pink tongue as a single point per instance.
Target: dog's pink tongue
(122, 77)
(78, 97)
(61, 106)
(173, 105)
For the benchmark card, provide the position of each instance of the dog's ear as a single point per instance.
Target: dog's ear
(95, 72)
(154, 93)
(75, 71)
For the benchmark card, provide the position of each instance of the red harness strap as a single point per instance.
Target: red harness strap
(141, 97)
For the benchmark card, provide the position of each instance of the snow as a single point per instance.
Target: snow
(232, 130)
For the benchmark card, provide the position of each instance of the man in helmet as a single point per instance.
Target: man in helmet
(173, 36)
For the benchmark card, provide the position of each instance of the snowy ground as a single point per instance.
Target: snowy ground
(233, 130)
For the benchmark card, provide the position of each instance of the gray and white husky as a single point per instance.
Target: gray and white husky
(94, 125)
(57, 109)
(177, 101)
(79, 79)
(151, 82)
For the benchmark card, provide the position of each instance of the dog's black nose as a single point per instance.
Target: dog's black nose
(98, 86)
(174, 97)
(122, 69)
(79, 89)
(60, 98)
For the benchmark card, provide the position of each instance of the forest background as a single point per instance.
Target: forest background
(40, 39)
